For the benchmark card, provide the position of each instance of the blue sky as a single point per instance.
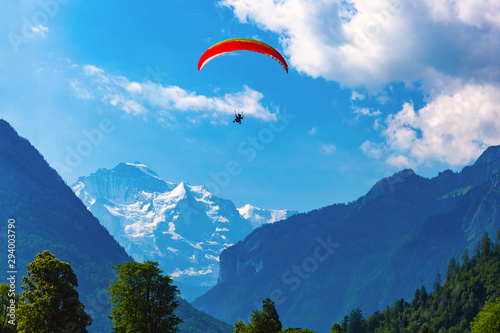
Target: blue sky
(373, 87)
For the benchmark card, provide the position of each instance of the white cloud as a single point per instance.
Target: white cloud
(40, 30)
(167, 119)
(137, 98)
(357, 96)
(328, 149)
(365, 112)
(372, 149)
(131, 106)
(453, 129)
(447, 49)
(90, 70)
(477, 13)
(134, 88)
(313, 131)
(400, 162)
(371, 43)
(81, 93)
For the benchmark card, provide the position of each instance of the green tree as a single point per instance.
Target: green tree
(50, 302)
(143, 300)
(437, 282)
(269, 308)
(336, 328)
(426, 329)
(423, 296)
(465, 258)
(486, 246)
(345, 323)
(265, 321)
(261, 322)
(488, 319)
(240, 327)
(356, 323)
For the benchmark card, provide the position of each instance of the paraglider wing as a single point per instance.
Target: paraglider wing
(237, 44)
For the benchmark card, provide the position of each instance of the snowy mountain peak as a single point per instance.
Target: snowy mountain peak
(179, 191)
(136, 169)
(120, 184)
(247, 211)
(183, 227)
(259, 216)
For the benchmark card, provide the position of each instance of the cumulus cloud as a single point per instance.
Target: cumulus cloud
(453, 129)
(400, 161)
(137, 98)
(448, 50)
(313, 131)
(478, 13)
(371, 43)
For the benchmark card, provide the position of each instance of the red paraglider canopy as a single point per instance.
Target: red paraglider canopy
(237, 44)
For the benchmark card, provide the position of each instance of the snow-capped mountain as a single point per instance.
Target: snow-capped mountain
(259, 216)
(183, 227)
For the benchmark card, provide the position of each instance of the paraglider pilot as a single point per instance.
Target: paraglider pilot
(238, 117)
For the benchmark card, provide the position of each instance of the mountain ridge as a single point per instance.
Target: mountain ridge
(387, 237)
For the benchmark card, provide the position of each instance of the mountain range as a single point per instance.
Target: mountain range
(320, 265)
(49, 216)
(183, 227)
(316, 266)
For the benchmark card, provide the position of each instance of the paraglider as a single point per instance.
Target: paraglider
(237, 44)
(238, 117)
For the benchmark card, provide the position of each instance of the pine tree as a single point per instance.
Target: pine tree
(345, 323)
(465, 259)
(356, 321)
(423, 296)
(437, 282)
(270, 309)
(486, 246)
(416, 300)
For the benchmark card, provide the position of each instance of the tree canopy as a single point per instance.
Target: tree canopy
(453, 306)
(50, 302)
(488, 319)
(143, 299)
